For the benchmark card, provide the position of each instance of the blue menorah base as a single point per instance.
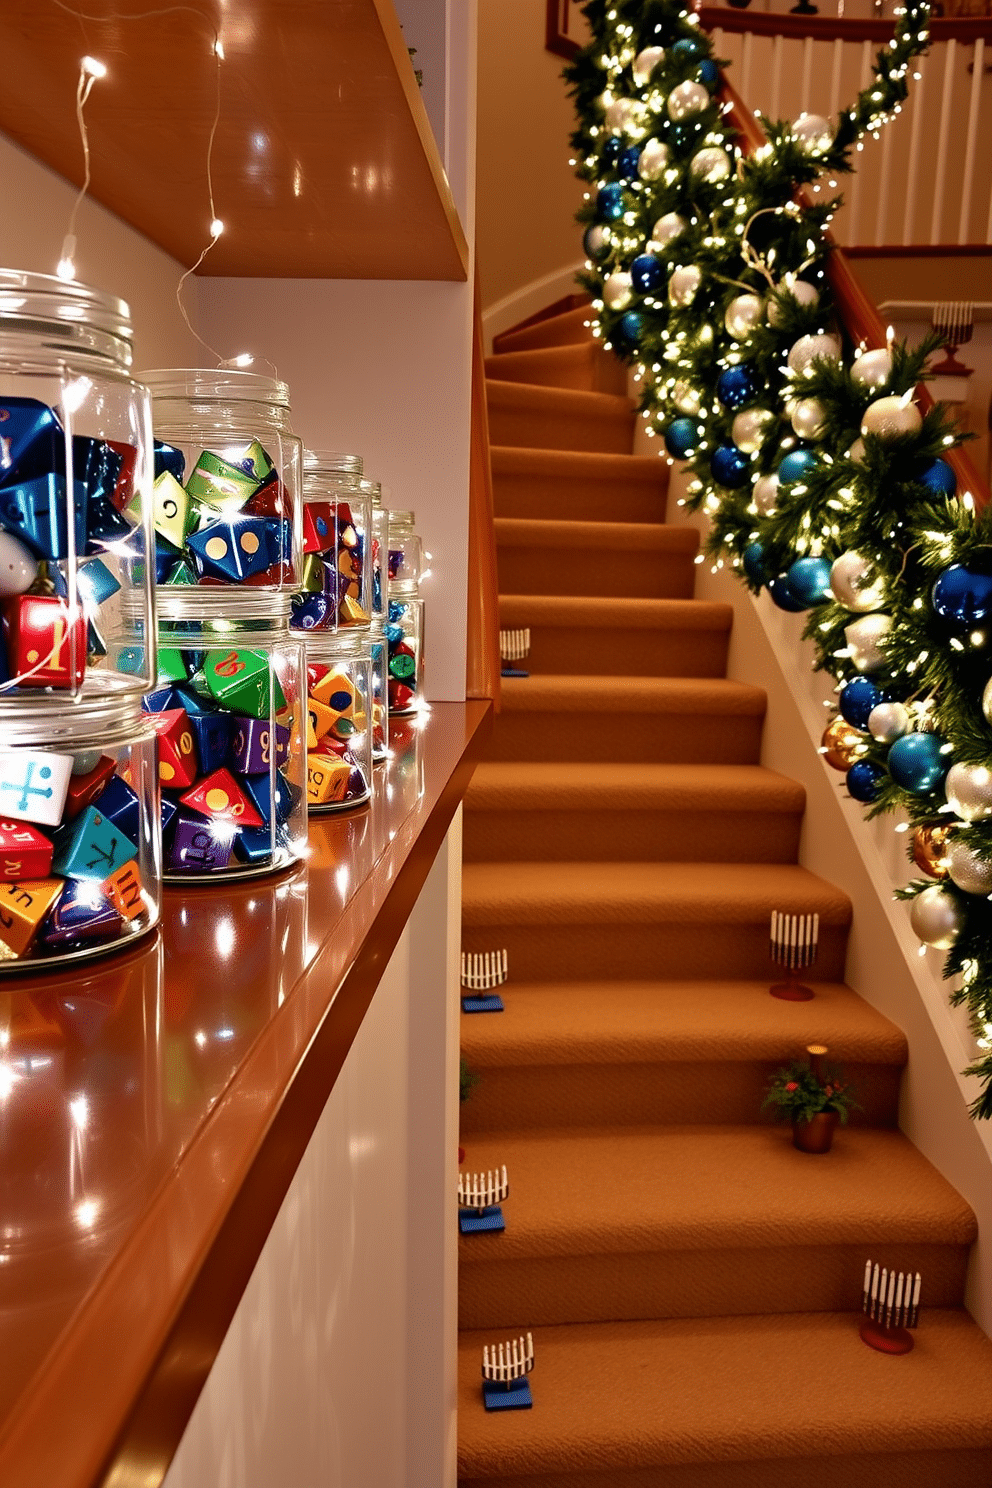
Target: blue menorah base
(492, 1004)
(474, 1221)
(513, 672)
(514, 1396)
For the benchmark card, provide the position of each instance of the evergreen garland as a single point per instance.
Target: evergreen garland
(822, 480)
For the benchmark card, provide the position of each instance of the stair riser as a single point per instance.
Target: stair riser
(569, 571)
(669, 738)
(558, 1290)
(587, 369)
(568, 329)
(532, 428)
(603, 831)
(964, 1469)
(701, 949)
(520, 1098)
(603, 652)
(580, 500)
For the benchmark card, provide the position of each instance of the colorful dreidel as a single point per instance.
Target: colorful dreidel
(85, 787)
(313, 612)
(213, 733)
(124, 890)
(199, 845)
(327, 779)
(251, 459)
(219, 795)
(33, 785)
(46, 650)
(269, 500)
(351, 612)
(106, 526)
(124, 484)
(254, 846)
(23, 906)
(232, 549)
(181, 573)
(251, 748)
(173, 511)
(31, 440)
(167, 457)
(178, 765)
(91, 847)
(318, 526)
(119, 804)
(244, 682)
(83, 916)
(219, 485)
(260, 788)
(95, 582)
(172, 665)
(35, 511)
(97, 466)
(24, 851)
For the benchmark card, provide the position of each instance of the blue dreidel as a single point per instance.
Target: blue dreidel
(83, 916)
(212, 732)
(120, 805)
(31, 440)
(170, 459)
(91, 846)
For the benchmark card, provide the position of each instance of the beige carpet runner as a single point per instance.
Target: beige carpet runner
(692, 1282)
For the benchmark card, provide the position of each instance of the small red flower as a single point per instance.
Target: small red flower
(792, 1085)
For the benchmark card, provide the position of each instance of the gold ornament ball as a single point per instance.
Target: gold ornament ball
(842, 744)
(930, 850)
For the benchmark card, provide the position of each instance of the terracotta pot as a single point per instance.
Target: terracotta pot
(817, 1134)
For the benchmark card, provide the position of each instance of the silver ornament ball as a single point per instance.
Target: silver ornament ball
(652, 160)
(683, 284)
(809, 418)
(854, 583)
(751, 428)
(687, 99)
(597, 238)
(667, 228)
(888, 722)
(622, 115)
(711, 164)
(685, 398)
(936, 917)
(857, 452)
(765, 494)
(968, 789)
(891, 418)
(744, 312)
(872, 369)
(814, 133)
(645, 63)
(809, 349)
(797, 289)
(967, 868)
(864, 638)
(618, 290)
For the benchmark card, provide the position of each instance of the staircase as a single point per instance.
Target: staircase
(692, 1282)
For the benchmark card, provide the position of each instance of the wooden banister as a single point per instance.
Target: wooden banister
(482, 662)
(837, 28)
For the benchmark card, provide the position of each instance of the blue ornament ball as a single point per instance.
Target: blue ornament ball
(609, 202)
(596, 242)
(753, 560)
(916, 763)
(631, 329)
(795, 465)
(687, 46)
(709, 73)
(736, 386)
(680, 437)
(864, 781)
(809, 580)
(938, 477)
(612, 150)
(857, 698)
(731, 467)
(782, 595)
(627, 166)
(963, 597)
(648, 273)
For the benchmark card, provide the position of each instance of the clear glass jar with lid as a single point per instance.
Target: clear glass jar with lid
(404, 627)
(405, 554)
(80, 866)
(378, 652)
(229, 709)
(75, 495)
(339, 720)
(228, 483)
(337, 568)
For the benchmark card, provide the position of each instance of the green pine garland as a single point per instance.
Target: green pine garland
(707, 270)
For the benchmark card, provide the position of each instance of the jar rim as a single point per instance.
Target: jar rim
(353, 644)
(106, 712)
(26, 296)
(332, 462)
(177, 603)
(401, 518)
(218, 384)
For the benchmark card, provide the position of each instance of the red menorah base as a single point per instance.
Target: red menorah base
(792, 990)
(886, 1340)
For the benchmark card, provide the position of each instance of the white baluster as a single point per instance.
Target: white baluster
(746, 51)
(805, 103)
(968, 184)
(852, 229)
(917, 105)
(835, 78)
(943, 140)
(775, 109)
(888, 137)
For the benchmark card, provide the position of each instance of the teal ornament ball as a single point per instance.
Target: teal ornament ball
(795, 466)
(730, 467)
(609, 202)
(630, 330)
(648, 273)
(809, 580)
(680, 437)
(962, 597)
(857, 700)
(688, 46)
(782, 595)
(916, 764)
(753, 561)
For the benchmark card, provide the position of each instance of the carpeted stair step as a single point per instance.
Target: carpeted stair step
(613, 719)
(699, 813)
(683, 1221)
(559, 418)
(578, 485)
(640, 559)
(585, 365)
(615, 635)
(564, 329)
(654, 1053)
(584, 921)
(786, 1401)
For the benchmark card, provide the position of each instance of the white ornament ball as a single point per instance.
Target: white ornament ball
(814, 133)
(987, 701)
(873, 368)
(645, 63)
(618, 290)
(667, 228)
(857, 452)
(797, 289)
(685, 398)
(968, 789)
(687, 99)
(597, 239)
(891, 418)
(936, 918)
(622, 115)
(888, 722)
(18, 566)
(683, 284)
(809, 349)
(864, 638)
(750, 429)
(765, 494)
(711, 164)
(854, 584)
(652, 160)
(967, 869)
(743, 313)
(809, 418)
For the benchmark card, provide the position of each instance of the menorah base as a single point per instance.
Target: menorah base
(792, 992)
(513, 1396)
(886, 1340)
(513, 672)
(475, 1221)
(491, 1004)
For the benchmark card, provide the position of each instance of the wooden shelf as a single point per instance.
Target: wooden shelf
(324, 162)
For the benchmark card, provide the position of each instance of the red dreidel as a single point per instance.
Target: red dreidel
(45, 649)
(24, 852)
(178, 765)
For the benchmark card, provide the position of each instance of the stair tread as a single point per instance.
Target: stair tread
(598, 1023)
(653, 893)
(700, 695)
(539, 356)
(540, 785)
(566, 328)
(539, 532)
(610, 612)
(616, 1396)
(704, 1187)
(550, 399)
(511, 459)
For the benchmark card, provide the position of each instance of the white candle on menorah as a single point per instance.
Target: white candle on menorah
(890, 1303)
(793, 944)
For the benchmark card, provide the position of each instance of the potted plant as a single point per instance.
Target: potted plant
(813, 1097)
(466, 1080)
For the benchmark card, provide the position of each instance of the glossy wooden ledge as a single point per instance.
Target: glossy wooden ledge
(157, 1106)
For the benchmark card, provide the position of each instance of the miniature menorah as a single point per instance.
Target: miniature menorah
(513, 646)
(505, 1368)
(793, 944)
(481, 971)
(954, 323)
(891, 1306)
(479, 1198)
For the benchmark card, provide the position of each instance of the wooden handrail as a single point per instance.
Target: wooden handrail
(837, 28)
(482, 659)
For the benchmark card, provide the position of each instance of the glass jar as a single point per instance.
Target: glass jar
(339, 721)
(228, 478)
(404, 653)
(380, 695)
(380, 542)
(80, 867)
(405, 556)
(228, 712)
(75, 495)
(337, 568)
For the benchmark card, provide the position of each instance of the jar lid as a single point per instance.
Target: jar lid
(213, 605)
(215, 384)
(402, 518)
(332, 462)
(104, 710)
(373, 490)
(68, 315)
(337, 645)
